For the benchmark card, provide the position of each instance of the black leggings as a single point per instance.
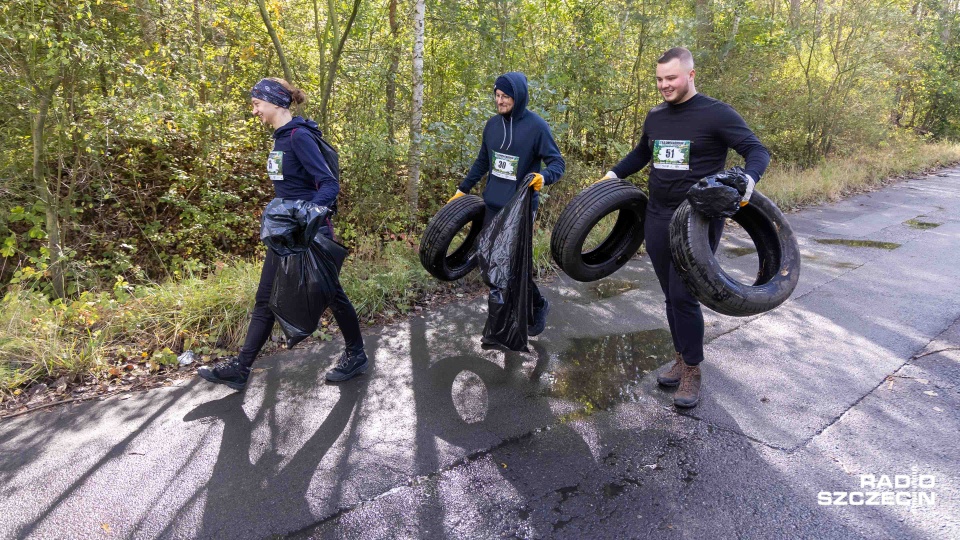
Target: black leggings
(262, 319)
(683, 310)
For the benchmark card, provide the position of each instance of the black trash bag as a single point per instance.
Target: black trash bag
(735, 178)
(713, 199)
(288, 225)
(308, 276)
(505, 256)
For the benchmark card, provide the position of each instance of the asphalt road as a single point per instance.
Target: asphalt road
(855, 375)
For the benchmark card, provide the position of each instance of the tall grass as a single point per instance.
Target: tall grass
(40, 339)
(791, 186)
(44, 340)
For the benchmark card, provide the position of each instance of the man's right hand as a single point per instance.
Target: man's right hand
(456, 196)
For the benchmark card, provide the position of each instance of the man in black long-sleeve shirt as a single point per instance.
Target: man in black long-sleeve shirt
(685, 138)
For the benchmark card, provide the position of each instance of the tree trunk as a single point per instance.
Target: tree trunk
(335, 61)
(794, 13)
(148, 26)
(321, 38)
(416, 111)
(287, 74)
(392, 72)
(732, 40)
(704, 24)
(198, 30)
(47, 195)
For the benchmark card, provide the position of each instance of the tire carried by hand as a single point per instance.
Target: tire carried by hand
(697, 265)
(582, 215)
(440, 233)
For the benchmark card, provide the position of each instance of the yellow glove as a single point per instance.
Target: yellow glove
(456, 196)
(610, 174)
(536, 181)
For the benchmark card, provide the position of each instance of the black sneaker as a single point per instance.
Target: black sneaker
(229, 372)
(539, 320)
(348, 366)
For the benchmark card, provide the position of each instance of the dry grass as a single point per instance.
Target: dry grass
(791, 187)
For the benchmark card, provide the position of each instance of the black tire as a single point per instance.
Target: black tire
(582, 215)
(697, 265)
(440, 232)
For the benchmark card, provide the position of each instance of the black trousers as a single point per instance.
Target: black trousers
(683, 310)
(536, 299)
(262, 319)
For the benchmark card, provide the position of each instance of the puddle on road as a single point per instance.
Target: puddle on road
(605, 289)
(922, 225)
(847, 265)
(613, 287)
(601, 372)
(857, 243)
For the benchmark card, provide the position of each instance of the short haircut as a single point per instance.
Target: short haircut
(681, 53)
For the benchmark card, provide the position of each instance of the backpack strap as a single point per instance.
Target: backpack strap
(333, 207)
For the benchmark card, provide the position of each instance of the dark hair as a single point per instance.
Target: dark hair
(297, 95)
(681, 53)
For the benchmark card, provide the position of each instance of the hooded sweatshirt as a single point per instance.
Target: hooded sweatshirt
(297, 167)
(513, 146)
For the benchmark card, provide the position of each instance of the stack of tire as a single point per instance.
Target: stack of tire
(694, 260)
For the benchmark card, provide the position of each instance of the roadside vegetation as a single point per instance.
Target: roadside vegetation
(140, 329)
(133, 175)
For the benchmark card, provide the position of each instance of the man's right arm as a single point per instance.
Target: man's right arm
(635, 160)
(481, 166)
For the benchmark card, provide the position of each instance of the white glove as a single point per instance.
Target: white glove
(751, 183)
(610, 174)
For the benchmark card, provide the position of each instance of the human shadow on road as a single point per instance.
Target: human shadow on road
(271, 484)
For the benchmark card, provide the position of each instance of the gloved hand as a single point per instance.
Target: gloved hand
(712, 199)
(739, 180)
(456, 196)
(609, 175)
(750, 185)
(535, 181)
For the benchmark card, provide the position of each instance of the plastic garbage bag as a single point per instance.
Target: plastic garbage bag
(505, 256)
(735, 177)
(713, 199)
(288, 225)
(308, 275)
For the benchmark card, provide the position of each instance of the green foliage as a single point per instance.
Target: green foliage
(149, 168)
(152, 167)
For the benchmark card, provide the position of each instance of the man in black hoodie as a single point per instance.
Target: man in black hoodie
(686, 138)
(515, 142)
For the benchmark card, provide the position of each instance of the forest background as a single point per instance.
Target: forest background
(133, 172)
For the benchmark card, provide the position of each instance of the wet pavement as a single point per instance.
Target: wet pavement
(855, 375)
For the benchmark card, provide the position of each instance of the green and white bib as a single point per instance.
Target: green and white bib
(671, 155)
(504, 166)
(275, 165)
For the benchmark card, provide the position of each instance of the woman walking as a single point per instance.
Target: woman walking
(298, 171)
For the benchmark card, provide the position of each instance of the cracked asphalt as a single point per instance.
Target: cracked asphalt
(855, 375)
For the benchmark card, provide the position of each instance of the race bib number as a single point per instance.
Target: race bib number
(505, 166)
(275, 165)
(673, 155)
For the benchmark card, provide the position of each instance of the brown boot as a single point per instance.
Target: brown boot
(689, 392)
(671, 377)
